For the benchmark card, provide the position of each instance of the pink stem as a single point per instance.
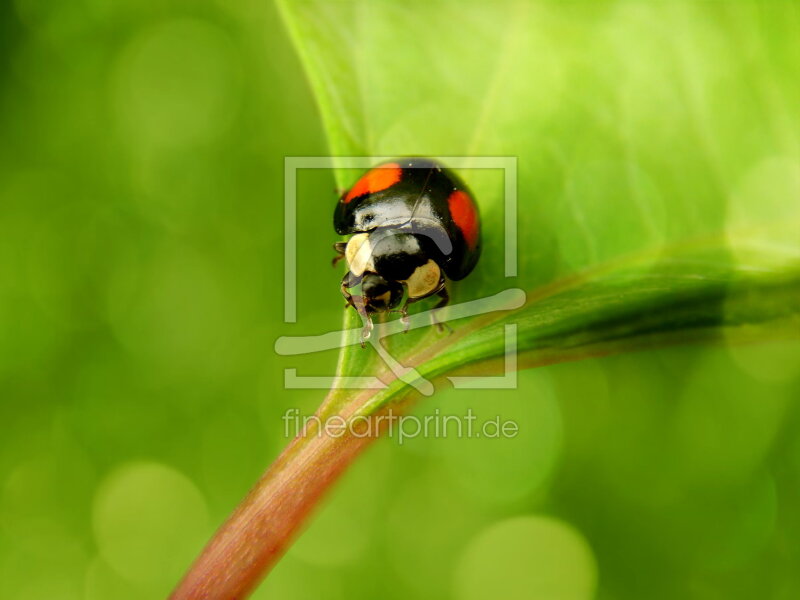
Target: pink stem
(255, 536)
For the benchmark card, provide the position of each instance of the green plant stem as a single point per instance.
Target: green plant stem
(252, 540)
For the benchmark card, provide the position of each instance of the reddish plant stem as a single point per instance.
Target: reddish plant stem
(255, 536)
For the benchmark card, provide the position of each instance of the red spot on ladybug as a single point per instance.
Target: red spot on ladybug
(465, 216)
(376, 180)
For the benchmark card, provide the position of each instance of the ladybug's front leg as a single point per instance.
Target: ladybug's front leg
(361, 308)
(347, 295)
(403, 317)
(403, 310)
(367, 330)
(445, 299)
(357, 302)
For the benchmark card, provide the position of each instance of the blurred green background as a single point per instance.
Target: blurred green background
(141, 274)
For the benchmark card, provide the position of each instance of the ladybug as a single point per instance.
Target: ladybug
(413, 224)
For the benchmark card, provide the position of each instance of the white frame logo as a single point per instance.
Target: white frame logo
(505, 300)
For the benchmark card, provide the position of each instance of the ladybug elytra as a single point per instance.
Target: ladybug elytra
(413, 225)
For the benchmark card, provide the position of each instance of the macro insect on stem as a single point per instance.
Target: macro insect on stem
(413, 225)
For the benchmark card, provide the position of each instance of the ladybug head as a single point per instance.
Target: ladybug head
(379, 294)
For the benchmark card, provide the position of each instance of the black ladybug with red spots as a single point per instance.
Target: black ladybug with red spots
(413, 225)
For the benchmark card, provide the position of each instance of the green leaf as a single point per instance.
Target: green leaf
(658, 181)
(656, 153)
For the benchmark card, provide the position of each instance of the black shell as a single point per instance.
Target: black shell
(418, 202)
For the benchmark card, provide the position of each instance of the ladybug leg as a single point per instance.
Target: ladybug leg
(357, 302)
(403, 310)
(445, 299)
(367, 331)
(339, 248)
(347, 295)
(403, 318)
(349, 280)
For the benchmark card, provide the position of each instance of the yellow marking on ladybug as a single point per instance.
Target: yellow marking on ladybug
(383, 299)
(424, 280)
(358, 253)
